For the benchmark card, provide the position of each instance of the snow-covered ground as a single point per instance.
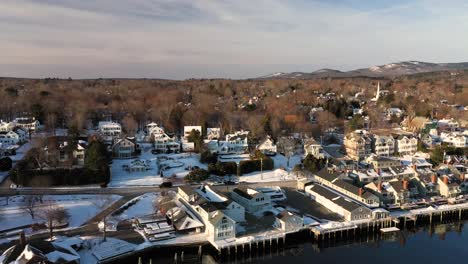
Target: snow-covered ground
(282, 162)
(143, 206)
(268, 176)
(151, 177)
(80, 207)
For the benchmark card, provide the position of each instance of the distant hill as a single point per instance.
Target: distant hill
(387, 70)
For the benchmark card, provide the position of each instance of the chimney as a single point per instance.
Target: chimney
(446, 179)
(22, 238)
(405, 184)
(462, 177)
(414, 166)
(379, 186)
(434, 178)
(361, 191)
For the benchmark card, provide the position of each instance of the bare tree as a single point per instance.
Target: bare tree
(54, 215)
(30, 203)
(102, 203)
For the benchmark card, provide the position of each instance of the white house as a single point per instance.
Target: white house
(218, 225)
(166, 144)
(236, 143)
(312, 147)
(406, 145)
(253, 201)
(188, 130)
(11, 137)
(213, 133)
(123, 148)
(27, 123)
(383, 145)
(457, 140)
(267, 146)
(6, 126)
(397, 112)
(109, 130)
(228, 206)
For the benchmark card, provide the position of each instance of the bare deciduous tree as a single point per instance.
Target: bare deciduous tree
(54, 215)
(102, 203)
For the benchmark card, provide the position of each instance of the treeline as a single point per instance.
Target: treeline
(260, 106)
(32, 170)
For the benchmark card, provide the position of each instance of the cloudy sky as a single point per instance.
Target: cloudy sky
(180, 39)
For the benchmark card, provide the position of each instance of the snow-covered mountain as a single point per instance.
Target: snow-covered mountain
(387, 70)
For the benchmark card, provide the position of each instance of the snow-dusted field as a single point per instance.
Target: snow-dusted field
(282, 162)
(151, 177)
(80, 208)
(268, 176)
(143, 206)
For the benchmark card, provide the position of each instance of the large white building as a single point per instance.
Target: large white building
(267, 146)
(383, 145)
(312, 147)
(406, 145)
(253, 200)
(236, 143)
(109, 130)
(455, 139)
(213, 210)
(27, 123)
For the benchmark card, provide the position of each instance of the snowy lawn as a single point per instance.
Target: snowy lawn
(142, 207)
(268, 176)
(282, 162)
(175, 165)
(80, 208)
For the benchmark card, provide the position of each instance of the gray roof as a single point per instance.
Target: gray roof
(336, 198)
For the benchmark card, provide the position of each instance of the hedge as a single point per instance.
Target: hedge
(6, 164)
(222, 168)
(248, 166)
(60, 176)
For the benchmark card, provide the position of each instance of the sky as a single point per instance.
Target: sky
(179, 39)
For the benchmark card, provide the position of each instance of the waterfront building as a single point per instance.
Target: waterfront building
(332, 179)
(288, 221)
(253, 200)
(337, 203)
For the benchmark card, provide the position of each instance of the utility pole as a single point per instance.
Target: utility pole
(261, 167)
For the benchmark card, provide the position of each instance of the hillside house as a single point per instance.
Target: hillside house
(27, 123)
(267, 146)
(188, 130)
(383, 145)
(312, 147)
(6, 126)
(236, 143)
(109, 130)
(213, 133)
(406, 145)
(124, 148)
(358, 144)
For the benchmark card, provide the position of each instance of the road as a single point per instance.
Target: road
(130, 190)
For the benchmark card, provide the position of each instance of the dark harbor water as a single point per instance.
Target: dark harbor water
(444, 243)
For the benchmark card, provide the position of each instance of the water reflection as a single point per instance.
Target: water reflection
(443, 243)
